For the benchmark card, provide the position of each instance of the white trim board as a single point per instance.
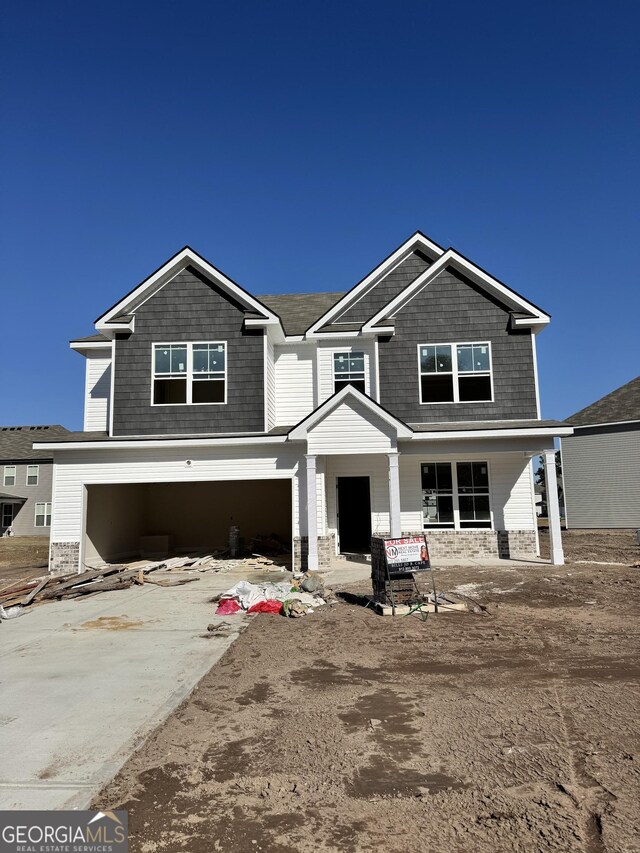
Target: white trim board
(483, 279)
(186, 257)
(416, 241)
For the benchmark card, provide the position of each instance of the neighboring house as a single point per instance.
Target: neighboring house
(601, 462)
(408, 404)
(25, 480)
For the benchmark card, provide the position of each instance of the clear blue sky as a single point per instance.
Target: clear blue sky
(295, 144)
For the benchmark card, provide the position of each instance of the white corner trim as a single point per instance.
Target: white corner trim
(184, 258)
(302, 429)
(534, 352)
(416, 241)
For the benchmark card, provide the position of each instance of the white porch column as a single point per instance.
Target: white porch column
(312, 513)
(395, 523)
(553, 508)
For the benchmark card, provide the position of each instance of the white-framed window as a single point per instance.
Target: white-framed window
(455, 495)
(348, 369)
(189, 373)
(33, 473)
(7, 515)
(9, 478)
(455, 372)
(43, 515)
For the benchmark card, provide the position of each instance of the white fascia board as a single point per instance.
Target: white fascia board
(534, 432)
(78, 346)
(610, 423)
(184, 258)
(321, 336)
(302, 429)
(255, 321)
(416, 241)
(451, 257)
(153, 444)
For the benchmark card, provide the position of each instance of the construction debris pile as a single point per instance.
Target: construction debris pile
(294, 599)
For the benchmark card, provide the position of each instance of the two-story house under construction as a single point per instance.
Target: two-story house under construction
(408, 404)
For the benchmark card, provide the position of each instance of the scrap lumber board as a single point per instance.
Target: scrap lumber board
(29, 598)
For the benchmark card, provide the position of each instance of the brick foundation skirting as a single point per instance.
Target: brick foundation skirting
(64, 557)
(326, 551)
(449, 544)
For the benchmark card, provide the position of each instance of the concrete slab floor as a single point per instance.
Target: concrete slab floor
(83, 682)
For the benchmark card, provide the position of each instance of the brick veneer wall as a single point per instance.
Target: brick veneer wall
(326, 551)
(64, 557)
(449, 544)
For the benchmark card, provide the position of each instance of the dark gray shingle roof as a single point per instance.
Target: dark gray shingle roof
(477, 425)
(89, 339)
(299, 310)
(16, 442)
(620, 405)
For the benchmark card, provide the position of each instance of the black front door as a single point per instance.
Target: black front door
(354, 515)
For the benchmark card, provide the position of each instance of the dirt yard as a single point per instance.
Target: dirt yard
(22, 557)
(348, 731)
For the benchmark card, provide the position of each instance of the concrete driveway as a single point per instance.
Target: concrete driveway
(83, 682)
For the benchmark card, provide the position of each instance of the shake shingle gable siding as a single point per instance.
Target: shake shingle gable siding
(386, 290)
(189, 309)
(452, 309)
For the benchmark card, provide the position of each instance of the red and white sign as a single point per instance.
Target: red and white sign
(409, 554)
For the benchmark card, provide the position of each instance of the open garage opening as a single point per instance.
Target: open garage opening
(126, 521)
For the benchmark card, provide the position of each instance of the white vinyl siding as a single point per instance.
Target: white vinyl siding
(510, 489)
(326, 352)
(295, 382)
(602, 479)
(97, 391)
(351, 428)
(158, 466)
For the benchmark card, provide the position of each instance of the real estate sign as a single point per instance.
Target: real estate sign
(409, 554)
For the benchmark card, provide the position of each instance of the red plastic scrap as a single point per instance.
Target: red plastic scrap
(268, 606)
(227, 607)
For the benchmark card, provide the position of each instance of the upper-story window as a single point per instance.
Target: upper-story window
(33, 472)
(348, 369)
(455, 373)
(189, 374)
(9, 475)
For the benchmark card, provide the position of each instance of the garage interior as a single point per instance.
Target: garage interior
(194, 517)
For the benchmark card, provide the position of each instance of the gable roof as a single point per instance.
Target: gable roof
(119, 315)
(619, 406)
(16, 442)
(417, 241)
(524, 313)
(347, 394)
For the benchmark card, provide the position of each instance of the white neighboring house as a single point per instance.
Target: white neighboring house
(408, 404)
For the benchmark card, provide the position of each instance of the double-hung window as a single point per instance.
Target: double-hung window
(348, 369)
(455, 373)
(43, 515)
(189, 374)
(9, 475)
(32, 475)
(455, 495)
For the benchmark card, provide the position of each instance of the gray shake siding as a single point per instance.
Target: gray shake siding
(601, 471)
(452, 309)
(189, 309)
(387, 289)
(24, 519)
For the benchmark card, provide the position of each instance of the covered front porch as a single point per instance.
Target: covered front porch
(470, 490)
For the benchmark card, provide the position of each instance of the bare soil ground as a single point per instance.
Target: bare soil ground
(22, 557)
(348, 731)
